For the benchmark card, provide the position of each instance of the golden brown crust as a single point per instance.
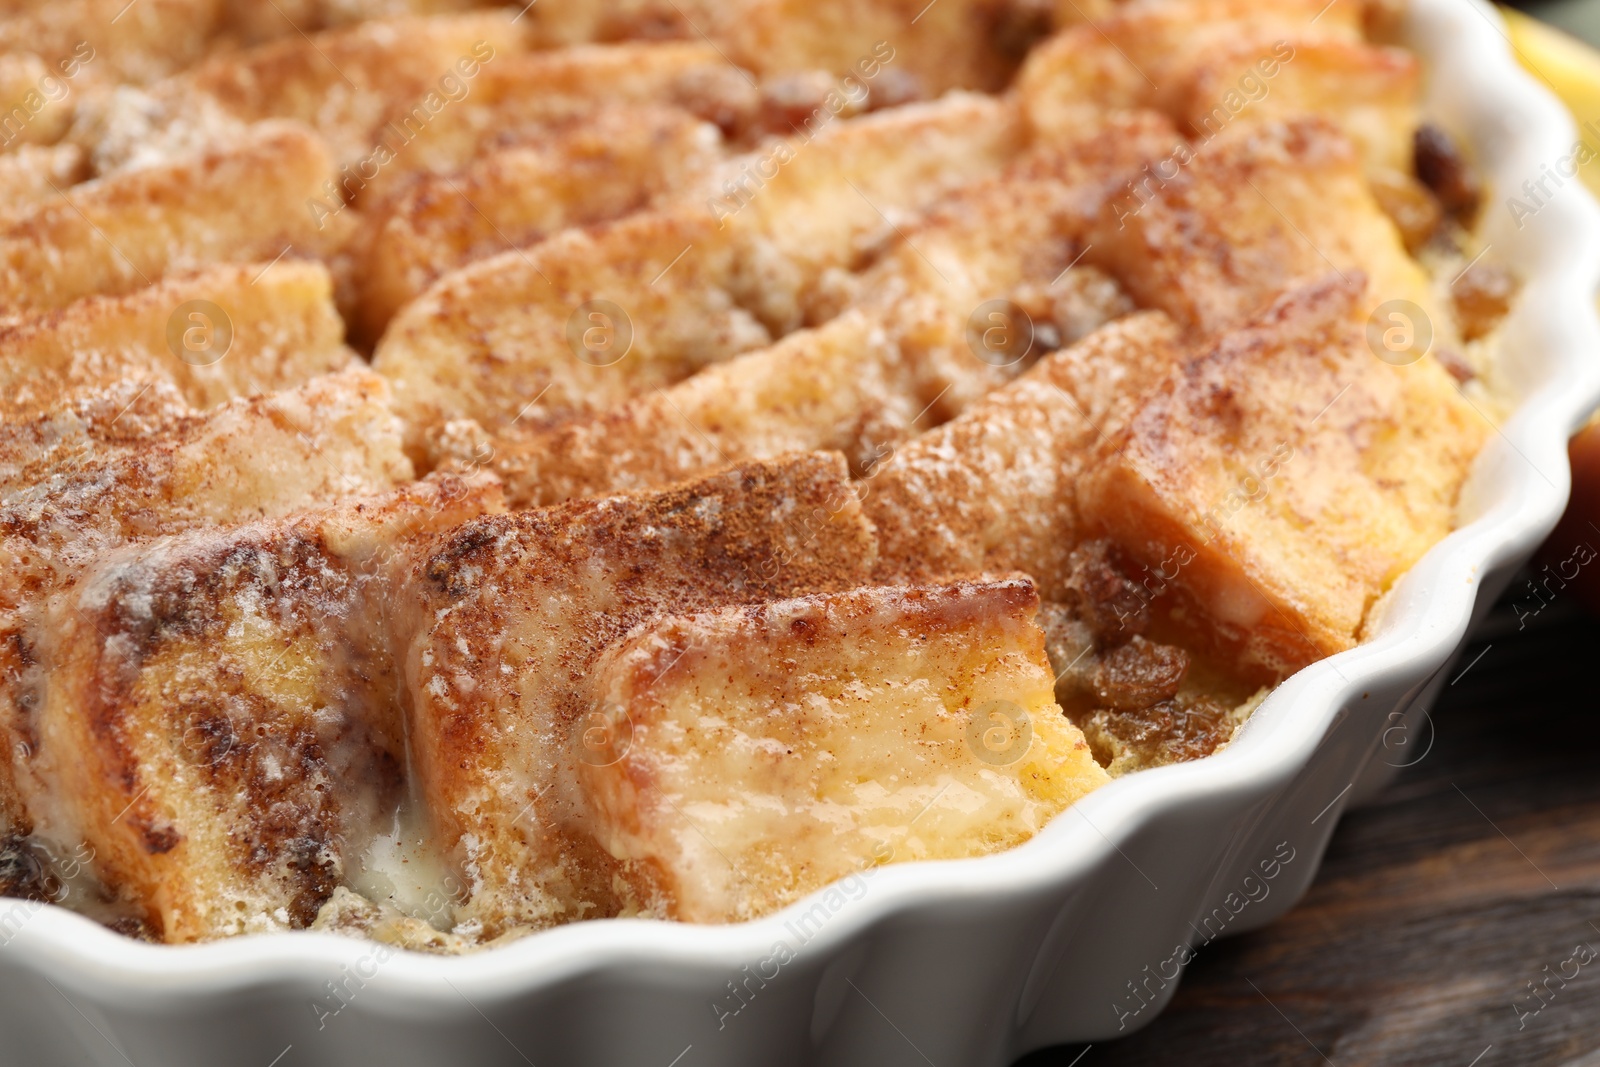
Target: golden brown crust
(1217, 232)
(511, 612)
(346, 83)
(996, 487)
(507, 340)
(246, 202)
(268, 326)
(900, 361)
(1372, 92)
(514, 91)
(579, 170)
(1159, 53)
(219, 719)
(131, 461)
(1287, 476)
(808, 735)
(966, 44)
(828, 196)
(491, 341)
(843, 386)
(113, 45)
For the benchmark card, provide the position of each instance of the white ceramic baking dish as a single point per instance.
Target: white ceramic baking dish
(1075, 936)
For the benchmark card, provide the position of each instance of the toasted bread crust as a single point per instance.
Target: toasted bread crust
(167, 36)
(129, 462)
(280, 326)
(243, 202)
(210, 697)
(897, 362)
(505, 340)
(574, 171)
(996, 487)
(347, 82)
(836, 719)
(1219, 231)
(1293, 473)
(511, 613)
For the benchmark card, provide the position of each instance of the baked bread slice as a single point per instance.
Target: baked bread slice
(598, 165)
(755, 754)
(509, 615)
(219, 714)
(217, 334)
(1262, 207)
(902, 358)
(594, 317)
(996, 488)
(1293, 473)
(244, 202)
(130, 461)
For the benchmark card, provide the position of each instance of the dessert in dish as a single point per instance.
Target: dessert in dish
(465, 472)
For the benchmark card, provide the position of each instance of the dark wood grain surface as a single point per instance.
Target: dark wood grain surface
(1451, 920)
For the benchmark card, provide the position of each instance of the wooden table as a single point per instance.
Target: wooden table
(1437, 906)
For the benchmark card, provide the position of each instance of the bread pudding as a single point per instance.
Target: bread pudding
(465, 470)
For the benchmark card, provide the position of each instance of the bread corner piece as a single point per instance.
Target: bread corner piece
(220, 726)
(749, 756)
(1278, 484)
(511, 612)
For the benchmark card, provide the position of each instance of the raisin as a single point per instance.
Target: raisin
(1184, 728)
(790, 102)
(1412, 207)
(24, 872)
(1140, 674)
(721, 94)
(1103, 595)
(1441, 167)
(1482, 295)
